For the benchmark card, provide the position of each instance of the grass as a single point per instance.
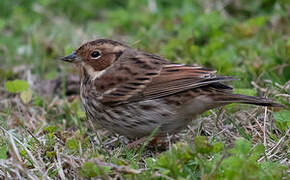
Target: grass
(44, 132)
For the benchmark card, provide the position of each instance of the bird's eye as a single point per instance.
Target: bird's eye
(95, 54)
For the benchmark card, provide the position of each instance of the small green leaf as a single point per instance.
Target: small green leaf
(217, 147)
(16, 86)
(257, 152)
(72, 144)
(50, 154)
(89, 170)
(257, 21)
(162, 160)
(150, 163)
(242, 147)
(282, 119)
(202, 145)
(49, 129)
(81, 114)
(22, 153)
(38, 101)
(3, 152)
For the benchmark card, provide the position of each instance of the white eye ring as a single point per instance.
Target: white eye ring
(96, 54)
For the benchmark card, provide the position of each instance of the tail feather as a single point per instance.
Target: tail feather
(238, 98)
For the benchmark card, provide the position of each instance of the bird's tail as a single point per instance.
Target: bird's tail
(238, 98)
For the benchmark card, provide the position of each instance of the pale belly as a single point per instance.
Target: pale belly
(139, 119)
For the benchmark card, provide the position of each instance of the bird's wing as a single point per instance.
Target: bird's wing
(138, 76)
(175, 78)
(128, 76)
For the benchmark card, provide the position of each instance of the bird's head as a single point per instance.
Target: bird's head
(96, 55)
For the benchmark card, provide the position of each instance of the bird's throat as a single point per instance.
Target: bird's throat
(89, 73)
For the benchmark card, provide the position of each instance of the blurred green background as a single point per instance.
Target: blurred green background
(244, 38)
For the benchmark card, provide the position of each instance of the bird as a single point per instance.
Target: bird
(132, 93)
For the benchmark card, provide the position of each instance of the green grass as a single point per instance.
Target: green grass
(44, 132)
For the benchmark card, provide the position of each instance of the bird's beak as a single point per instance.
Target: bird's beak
(72, 58)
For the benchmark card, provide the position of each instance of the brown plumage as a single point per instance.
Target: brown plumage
(131, 92)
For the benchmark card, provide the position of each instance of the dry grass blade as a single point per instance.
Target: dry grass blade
(14, 149)
(156, 174)
(121, 169)
(264, 129)
(272, 151)
(58, 163)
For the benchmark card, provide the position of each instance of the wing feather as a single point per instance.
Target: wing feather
(138, 76)
(128, 76)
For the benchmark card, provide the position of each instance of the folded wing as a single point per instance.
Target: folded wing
(138, 76)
